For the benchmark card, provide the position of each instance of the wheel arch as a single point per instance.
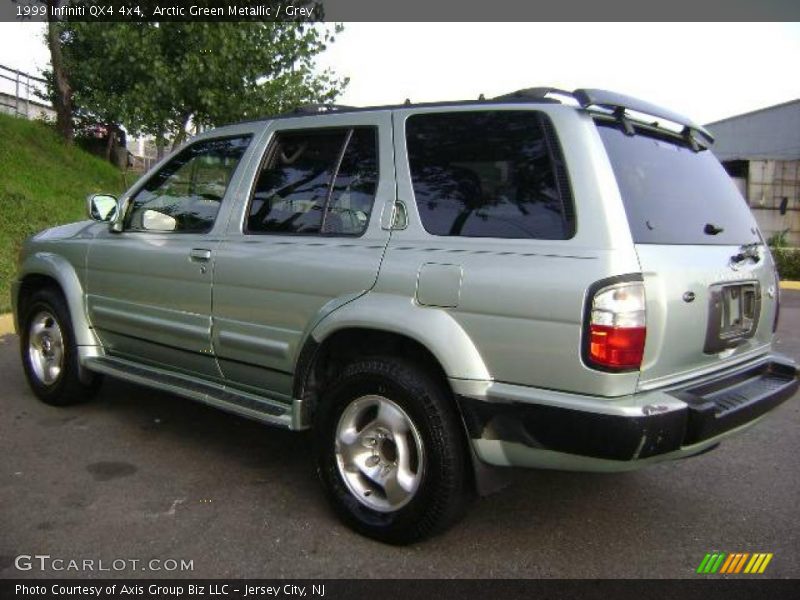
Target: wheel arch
(379, 323)
(45, 269)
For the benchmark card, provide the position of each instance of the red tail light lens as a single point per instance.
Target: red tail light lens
(617, 327)
(620, 348)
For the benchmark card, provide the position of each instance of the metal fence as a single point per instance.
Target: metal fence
(19, 93)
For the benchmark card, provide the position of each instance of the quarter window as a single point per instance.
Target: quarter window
(489, 174)
(316, 182)
(185, 195)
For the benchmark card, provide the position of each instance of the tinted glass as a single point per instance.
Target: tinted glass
(488, 174)
(673, 194)
(355, 185)
(316, 182)
(189, 188)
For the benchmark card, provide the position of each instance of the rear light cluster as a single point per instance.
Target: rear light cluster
(617, 327)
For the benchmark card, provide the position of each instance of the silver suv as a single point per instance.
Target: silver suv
(546, 279)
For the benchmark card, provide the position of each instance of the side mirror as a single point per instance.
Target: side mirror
(102, 207)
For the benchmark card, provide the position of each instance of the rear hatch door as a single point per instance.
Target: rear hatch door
(709, 281)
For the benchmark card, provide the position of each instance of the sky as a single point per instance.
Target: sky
(707, 71)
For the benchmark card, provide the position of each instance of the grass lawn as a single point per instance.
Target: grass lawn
(42, 183)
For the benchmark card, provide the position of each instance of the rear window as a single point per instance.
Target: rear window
(673, 195)
(489, 174)
(316, 182)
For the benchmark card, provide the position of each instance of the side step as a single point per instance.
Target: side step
(259, 408)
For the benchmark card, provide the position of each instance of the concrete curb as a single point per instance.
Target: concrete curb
(7, 321)
(6, 324)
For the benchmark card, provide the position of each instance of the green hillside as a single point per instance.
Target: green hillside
(42, 183)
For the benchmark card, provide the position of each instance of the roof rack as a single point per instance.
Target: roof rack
(318, 109)
(612, 104)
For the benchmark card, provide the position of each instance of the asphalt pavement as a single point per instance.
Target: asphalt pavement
(139, 475)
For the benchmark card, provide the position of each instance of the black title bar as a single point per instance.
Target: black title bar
(405, 589)
(401, 10)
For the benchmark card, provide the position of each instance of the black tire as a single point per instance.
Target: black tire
(441, 495)
(67, 388)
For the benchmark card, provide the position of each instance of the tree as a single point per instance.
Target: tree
(109, 67)
(62, 97)
(60, 90)
(213, 73)
(158, 78)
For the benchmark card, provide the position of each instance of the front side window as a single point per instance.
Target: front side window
(186, 194)
(489, 174)
(316, 182)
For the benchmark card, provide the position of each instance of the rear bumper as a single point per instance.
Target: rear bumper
(550, 430)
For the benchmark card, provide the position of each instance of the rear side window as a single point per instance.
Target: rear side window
(673, 195)
(316, 182)
(489, 174)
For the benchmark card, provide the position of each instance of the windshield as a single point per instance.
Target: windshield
(673, 195)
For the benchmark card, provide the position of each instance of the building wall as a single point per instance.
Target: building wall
(772, 132)
(768, 183)
(28, 109)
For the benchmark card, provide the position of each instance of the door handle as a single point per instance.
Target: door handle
(200, 254)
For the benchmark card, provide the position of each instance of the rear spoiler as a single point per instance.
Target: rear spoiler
(618, 104)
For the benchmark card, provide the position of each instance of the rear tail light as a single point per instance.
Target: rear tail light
(617, 327)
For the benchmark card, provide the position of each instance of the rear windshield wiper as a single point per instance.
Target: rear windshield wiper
(747, 251)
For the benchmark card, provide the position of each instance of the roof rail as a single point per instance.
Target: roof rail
(318, 109)
(534, 93)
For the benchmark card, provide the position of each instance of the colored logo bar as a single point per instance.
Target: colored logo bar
(735, 562)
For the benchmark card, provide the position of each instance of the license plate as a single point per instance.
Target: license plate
(738, 310)
(733, 315)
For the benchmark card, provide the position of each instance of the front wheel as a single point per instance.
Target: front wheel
(390, 451)
(49, 352)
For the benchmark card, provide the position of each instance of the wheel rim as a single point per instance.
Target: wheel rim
(379, 453)
(46, 348)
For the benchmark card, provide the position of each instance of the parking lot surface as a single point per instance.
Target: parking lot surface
(139, 475)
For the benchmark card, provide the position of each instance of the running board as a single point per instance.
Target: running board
(259, 408)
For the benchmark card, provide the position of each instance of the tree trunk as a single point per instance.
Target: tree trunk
(160, 143)
(180, 137)
(111, 141)
(62, 100)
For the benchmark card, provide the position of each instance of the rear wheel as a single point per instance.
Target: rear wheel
(49, 352)
(390, 451)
